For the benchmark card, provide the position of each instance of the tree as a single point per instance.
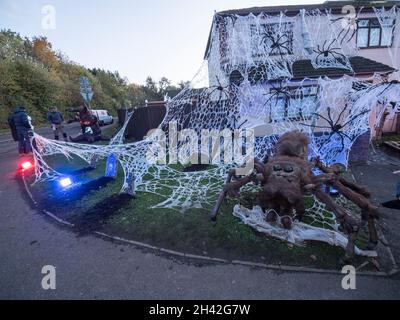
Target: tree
(163, 85)
(183, 84)
(43, 52)
(150, 84)
(34, 75)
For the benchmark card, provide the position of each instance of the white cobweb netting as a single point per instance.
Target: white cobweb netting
(120, 135)
(250, 80)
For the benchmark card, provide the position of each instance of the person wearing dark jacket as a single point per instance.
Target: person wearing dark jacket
(92, 131)
(56, 119)
(84, 115)
(21, 122)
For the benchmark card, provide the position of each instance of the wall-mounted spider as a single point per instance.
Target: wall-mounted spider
(335, 127)
(385, 82)
(349, 25)
(328, 55)
(276, 43)
(223, 92)
(277, 93)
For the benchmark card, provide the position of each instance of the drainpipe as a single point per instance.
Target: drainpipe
(308, 47)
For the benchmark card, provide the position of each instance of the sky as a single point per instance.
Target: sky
(137, 38)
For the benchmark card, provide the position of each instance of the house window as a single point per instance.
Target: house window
(371, 34)
(361, 85)
(274, 39)
(297, 103)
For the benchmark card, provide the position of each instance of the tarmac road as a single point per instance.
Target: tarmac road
(7, 143)
(90, 267)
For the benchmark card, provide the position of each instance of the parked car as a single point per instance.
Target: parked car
(103, 116)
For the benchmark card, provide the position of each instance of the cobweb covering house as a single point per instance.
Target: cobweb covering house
(273, 70)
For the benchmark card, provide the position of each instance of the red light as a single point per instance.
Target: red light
(26, 165)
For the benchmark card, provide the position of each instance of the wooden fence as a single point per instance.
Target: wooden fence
(144, 119)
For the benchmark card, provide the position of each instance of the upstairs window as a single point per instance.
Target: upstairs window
(371, 34)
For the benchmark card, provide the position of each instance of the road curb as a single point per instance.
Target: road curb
(179, 254)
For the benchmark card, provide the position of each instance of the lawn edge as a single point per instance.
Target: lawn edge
(179, 254)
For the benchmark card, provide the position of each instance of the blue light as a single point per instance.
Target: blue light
(65, 182)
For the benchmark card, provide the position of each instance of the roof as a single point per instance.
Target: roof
(304, 69)
(335, 6)
(292, 10)
(360, 65)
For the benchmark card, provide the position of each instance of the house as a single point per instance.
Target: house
(287, 50)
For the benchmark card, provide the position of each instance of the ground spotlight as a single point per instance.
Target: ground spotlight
(26, 165)
(65, 182)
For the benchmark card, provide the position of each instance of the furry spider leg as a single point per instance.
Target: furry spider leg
(355, 117)
(352, 36)
(346, 135)
(333, 40)
(315, 126)
(318, 50)
(211, 92)
(389, 85)
(281, 54)
(341, 137)
(327, 140)
(350, 20)
(272, 95)
(221, 93)
(330, 122)
(267, 36)
(333, 52)
(219, 82)
(330, 117)
(341, 113)
(286, 48)
(340, 33)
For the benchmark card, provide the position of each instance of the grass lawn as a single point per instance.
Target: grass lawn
(391, 137)
(96, 205)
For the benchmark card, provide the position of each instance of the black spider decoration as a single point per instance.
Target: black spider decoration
(224, 91)
(390, 83)
(277, 43)
(383, 100)
(327, 53)
(277, 92)
(351, 24)
(335, 127)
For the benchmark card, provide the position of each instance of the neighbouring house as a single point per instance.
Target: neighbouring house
(299, 44)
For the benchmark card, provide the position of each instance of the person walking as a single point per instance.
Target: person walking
(21, 122)
(56, 119)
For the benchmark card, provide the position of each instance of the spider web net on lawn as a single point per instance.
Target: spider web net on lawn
(249, 81)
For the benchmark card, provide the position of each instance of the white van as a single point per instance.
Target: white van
(103, 116)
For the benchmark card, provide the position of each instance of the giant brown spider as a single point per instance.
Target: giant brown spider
(288, 175)
(327, 55)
